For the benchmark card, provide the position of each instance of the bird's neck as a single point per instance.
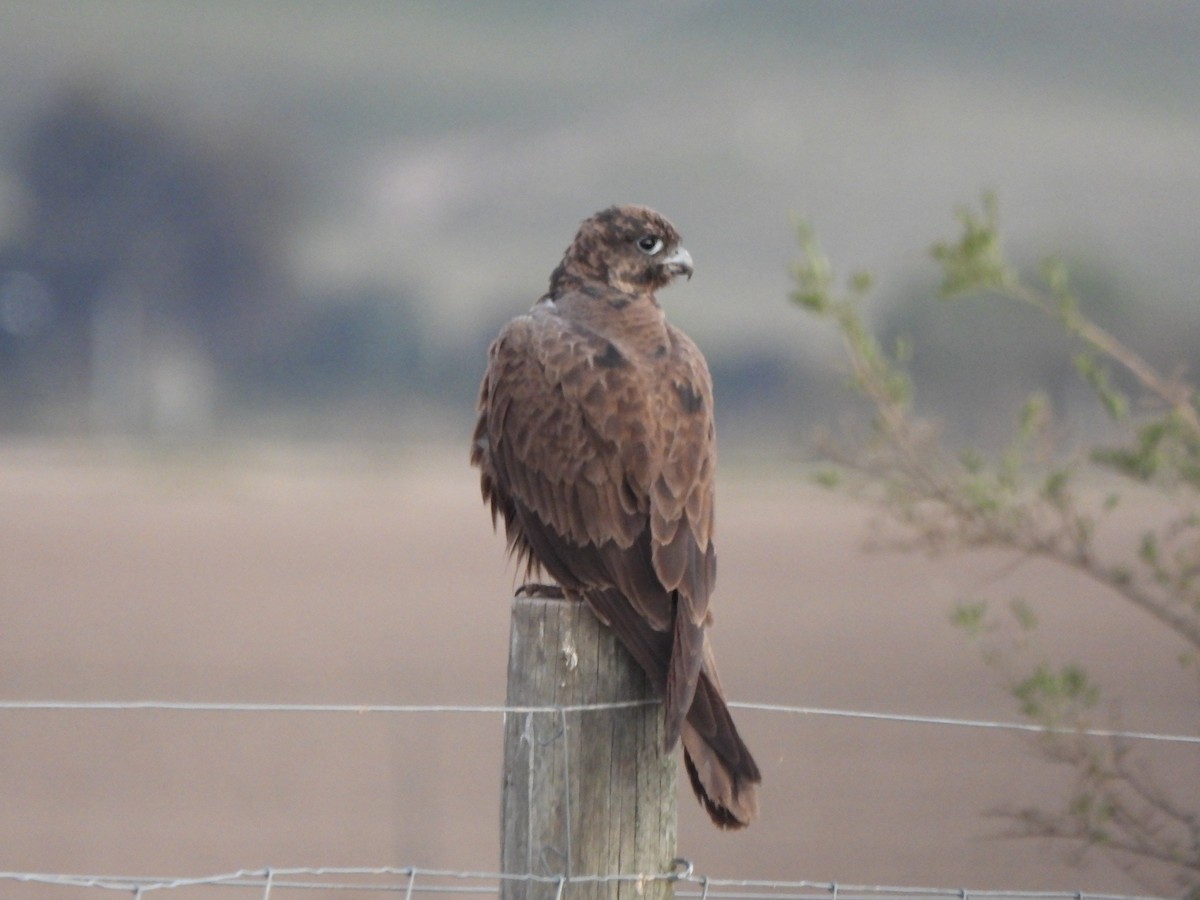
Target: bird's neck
(605, 309)
(633, 322)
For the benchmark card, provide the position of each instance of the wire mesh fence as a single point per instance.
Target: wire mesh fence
(411, 880)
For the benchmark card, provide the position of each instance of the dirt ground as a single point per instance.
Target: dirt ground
(349, 577)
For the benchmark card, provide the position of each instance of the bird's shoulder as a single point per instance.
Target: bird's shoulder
(565, 428)
(578, 339)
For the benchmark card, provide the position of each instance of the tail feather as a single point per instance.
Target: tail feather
(719, 765)
(724, 775)
(683, 674)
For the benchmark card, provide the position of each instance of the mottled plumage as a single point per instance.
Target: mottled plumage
(596, 447)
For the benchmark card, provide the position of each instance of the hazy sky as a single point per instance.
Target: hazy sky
(454, 147)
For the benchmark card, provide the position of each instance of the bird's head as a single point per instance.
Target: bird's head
(630, 248)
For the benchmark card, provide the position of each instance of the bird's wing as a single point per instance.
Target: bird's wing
(567, 455)
(681, 520)
(603, 473)
(681, 515)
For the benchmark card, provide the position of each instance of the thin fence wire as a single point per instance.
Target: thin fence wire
(376, 708)
(409, 881)
(275, 883)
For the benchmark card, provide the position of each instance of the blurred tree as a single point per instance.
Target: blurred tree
(146, 259)
(362, 344)
(1029, 502)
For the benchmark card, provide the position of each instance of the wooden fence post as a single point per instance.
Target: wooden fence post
(584, 793)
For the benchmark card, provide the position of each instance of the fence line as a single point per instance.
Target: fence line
(968, 723)
(412, 880)
(206, 706)
(363, 708)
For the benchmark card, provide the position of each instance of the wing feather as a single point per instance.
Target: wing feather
(550, 436)
(603, 473)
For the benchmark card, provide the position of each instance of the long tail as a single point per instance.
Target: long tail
(722, 771)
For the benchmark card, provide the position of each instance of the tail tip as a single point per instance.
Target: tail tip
(730, 809)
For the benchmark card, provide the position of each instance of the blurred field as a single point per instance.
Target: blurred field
(375, 578)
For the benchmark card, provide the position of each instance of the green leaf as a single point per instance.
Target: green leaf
(1066, 304)
(1054, 487)
(1148, 550)
(972, 460)
(812, 274)
(861, 282)
(828, 477)
(1023, 613)
(1034, 413)
(1115, 403)
(976, 262)
(1051, 696)
(971, 618)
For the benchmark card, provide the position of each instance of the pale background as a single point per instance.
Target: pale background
(279, 509)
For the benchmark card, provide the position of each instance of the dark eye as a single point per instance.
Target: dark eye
(649, 244)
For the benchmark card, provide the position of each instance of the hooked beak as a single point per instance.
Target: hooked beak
(679, 263)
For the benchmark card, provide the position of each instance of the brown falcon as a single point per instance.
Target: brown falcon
(595, 443)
